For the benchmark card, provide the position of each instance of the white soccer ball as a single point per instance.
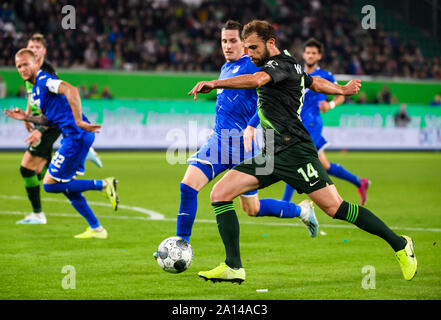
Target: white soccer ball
(174, 255)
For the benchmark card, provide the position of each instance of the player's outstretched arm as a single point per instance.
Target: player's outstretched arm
(324, 86)
(245, 81)
(19, 114)
(73, 97)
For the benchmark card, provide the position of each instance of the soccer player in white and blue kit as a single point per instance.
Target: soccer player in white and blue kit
(315, 103)
(235, 110)
(60, 104)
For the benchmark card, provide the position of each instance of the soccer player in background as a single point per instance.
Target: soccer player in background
(60, 106)
(315, 102)
(281, 83)
(41, 139)
(224, 149)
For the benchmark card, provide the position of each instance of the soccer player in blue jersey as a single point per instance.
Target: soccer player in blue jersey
(315, 103)
(35, 160)
(60, 106)
(224, 149)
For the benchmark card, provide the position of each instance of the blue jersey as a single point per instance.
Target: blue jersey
(54, 106)
(310, 113)
(235, 107)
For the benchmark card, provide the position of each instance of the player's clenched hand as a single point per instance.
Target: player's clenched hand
(352, 87)
(249, 135)
(89, 126)
(324, 106)
(16, 113)
(34, 138)
(201, 87)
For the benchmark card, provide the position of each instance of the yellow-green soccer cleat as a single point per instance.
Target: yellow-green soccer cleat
(110, 192)
(224, 273)
(406, 258)
(90, 233)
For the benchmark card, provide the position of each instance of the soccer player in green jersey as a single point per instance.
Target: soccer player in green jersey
(289, 154)
(41, 139)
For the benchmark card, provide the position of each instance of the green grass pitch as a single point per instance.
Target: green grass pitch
(278, 255)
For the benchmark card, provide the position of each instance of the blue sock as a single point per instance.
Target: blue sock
(74, 186)
(80, 204)
(187, 211)
(338, 171)
(277, 208)
(289, 191)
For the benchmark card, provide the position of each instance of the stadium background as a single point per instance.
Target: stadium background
(157, 50)
(134, 62)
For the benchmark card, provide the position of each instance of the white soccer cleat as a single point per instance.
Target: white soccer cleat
(33, 218)
(308, 217)
(93, 156)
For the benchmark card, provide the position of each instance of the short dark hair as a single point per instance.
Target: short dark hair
(262, 28)
(313, 42)
(38, 37)
(233, 25)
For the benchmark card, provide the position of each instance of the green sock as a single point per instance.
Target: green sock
(367, 221)
(42, 173)
(228, 226)
(32, 185)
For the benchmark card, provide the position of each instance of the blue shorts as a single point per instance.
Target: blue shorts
(69, 160)
(220, 154)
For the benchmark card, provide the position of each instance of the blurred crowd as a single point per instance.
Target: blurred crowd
(184, 35)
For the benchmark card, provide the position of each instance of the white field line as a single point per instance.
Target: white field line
(159, 217)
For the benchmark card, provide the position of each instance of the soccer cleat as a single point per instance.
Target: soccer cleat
(223, 273)
(362, 190)
(407, 260)
(90, 233)
(110, 192)
(93, 156)
(308, 217)
(33, 218)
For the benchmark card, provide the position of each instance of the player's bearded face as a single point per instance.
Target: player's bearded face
(257, 50)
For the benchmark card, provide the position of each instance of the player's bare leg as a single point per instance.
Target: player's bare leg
(233, 184)
(250, 204)
(195, 178)
(324, 160)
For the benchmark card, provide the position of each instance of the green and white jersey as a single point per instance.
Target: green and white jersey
(46, 67)
(280, 101)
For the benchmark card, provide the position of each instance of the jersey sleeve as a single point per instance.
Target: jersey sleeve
(254, 121)
(53, 85)
(308, 79)
(276, 71)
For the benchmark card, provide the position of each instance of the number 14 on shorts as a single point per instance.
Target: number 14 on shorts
(310, 172)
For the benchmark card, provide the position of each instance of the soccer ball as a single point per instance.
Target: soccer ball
(174, 255)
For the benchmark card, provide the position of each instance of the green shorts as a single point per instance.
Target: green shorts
(44, 148)
(298, 166)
